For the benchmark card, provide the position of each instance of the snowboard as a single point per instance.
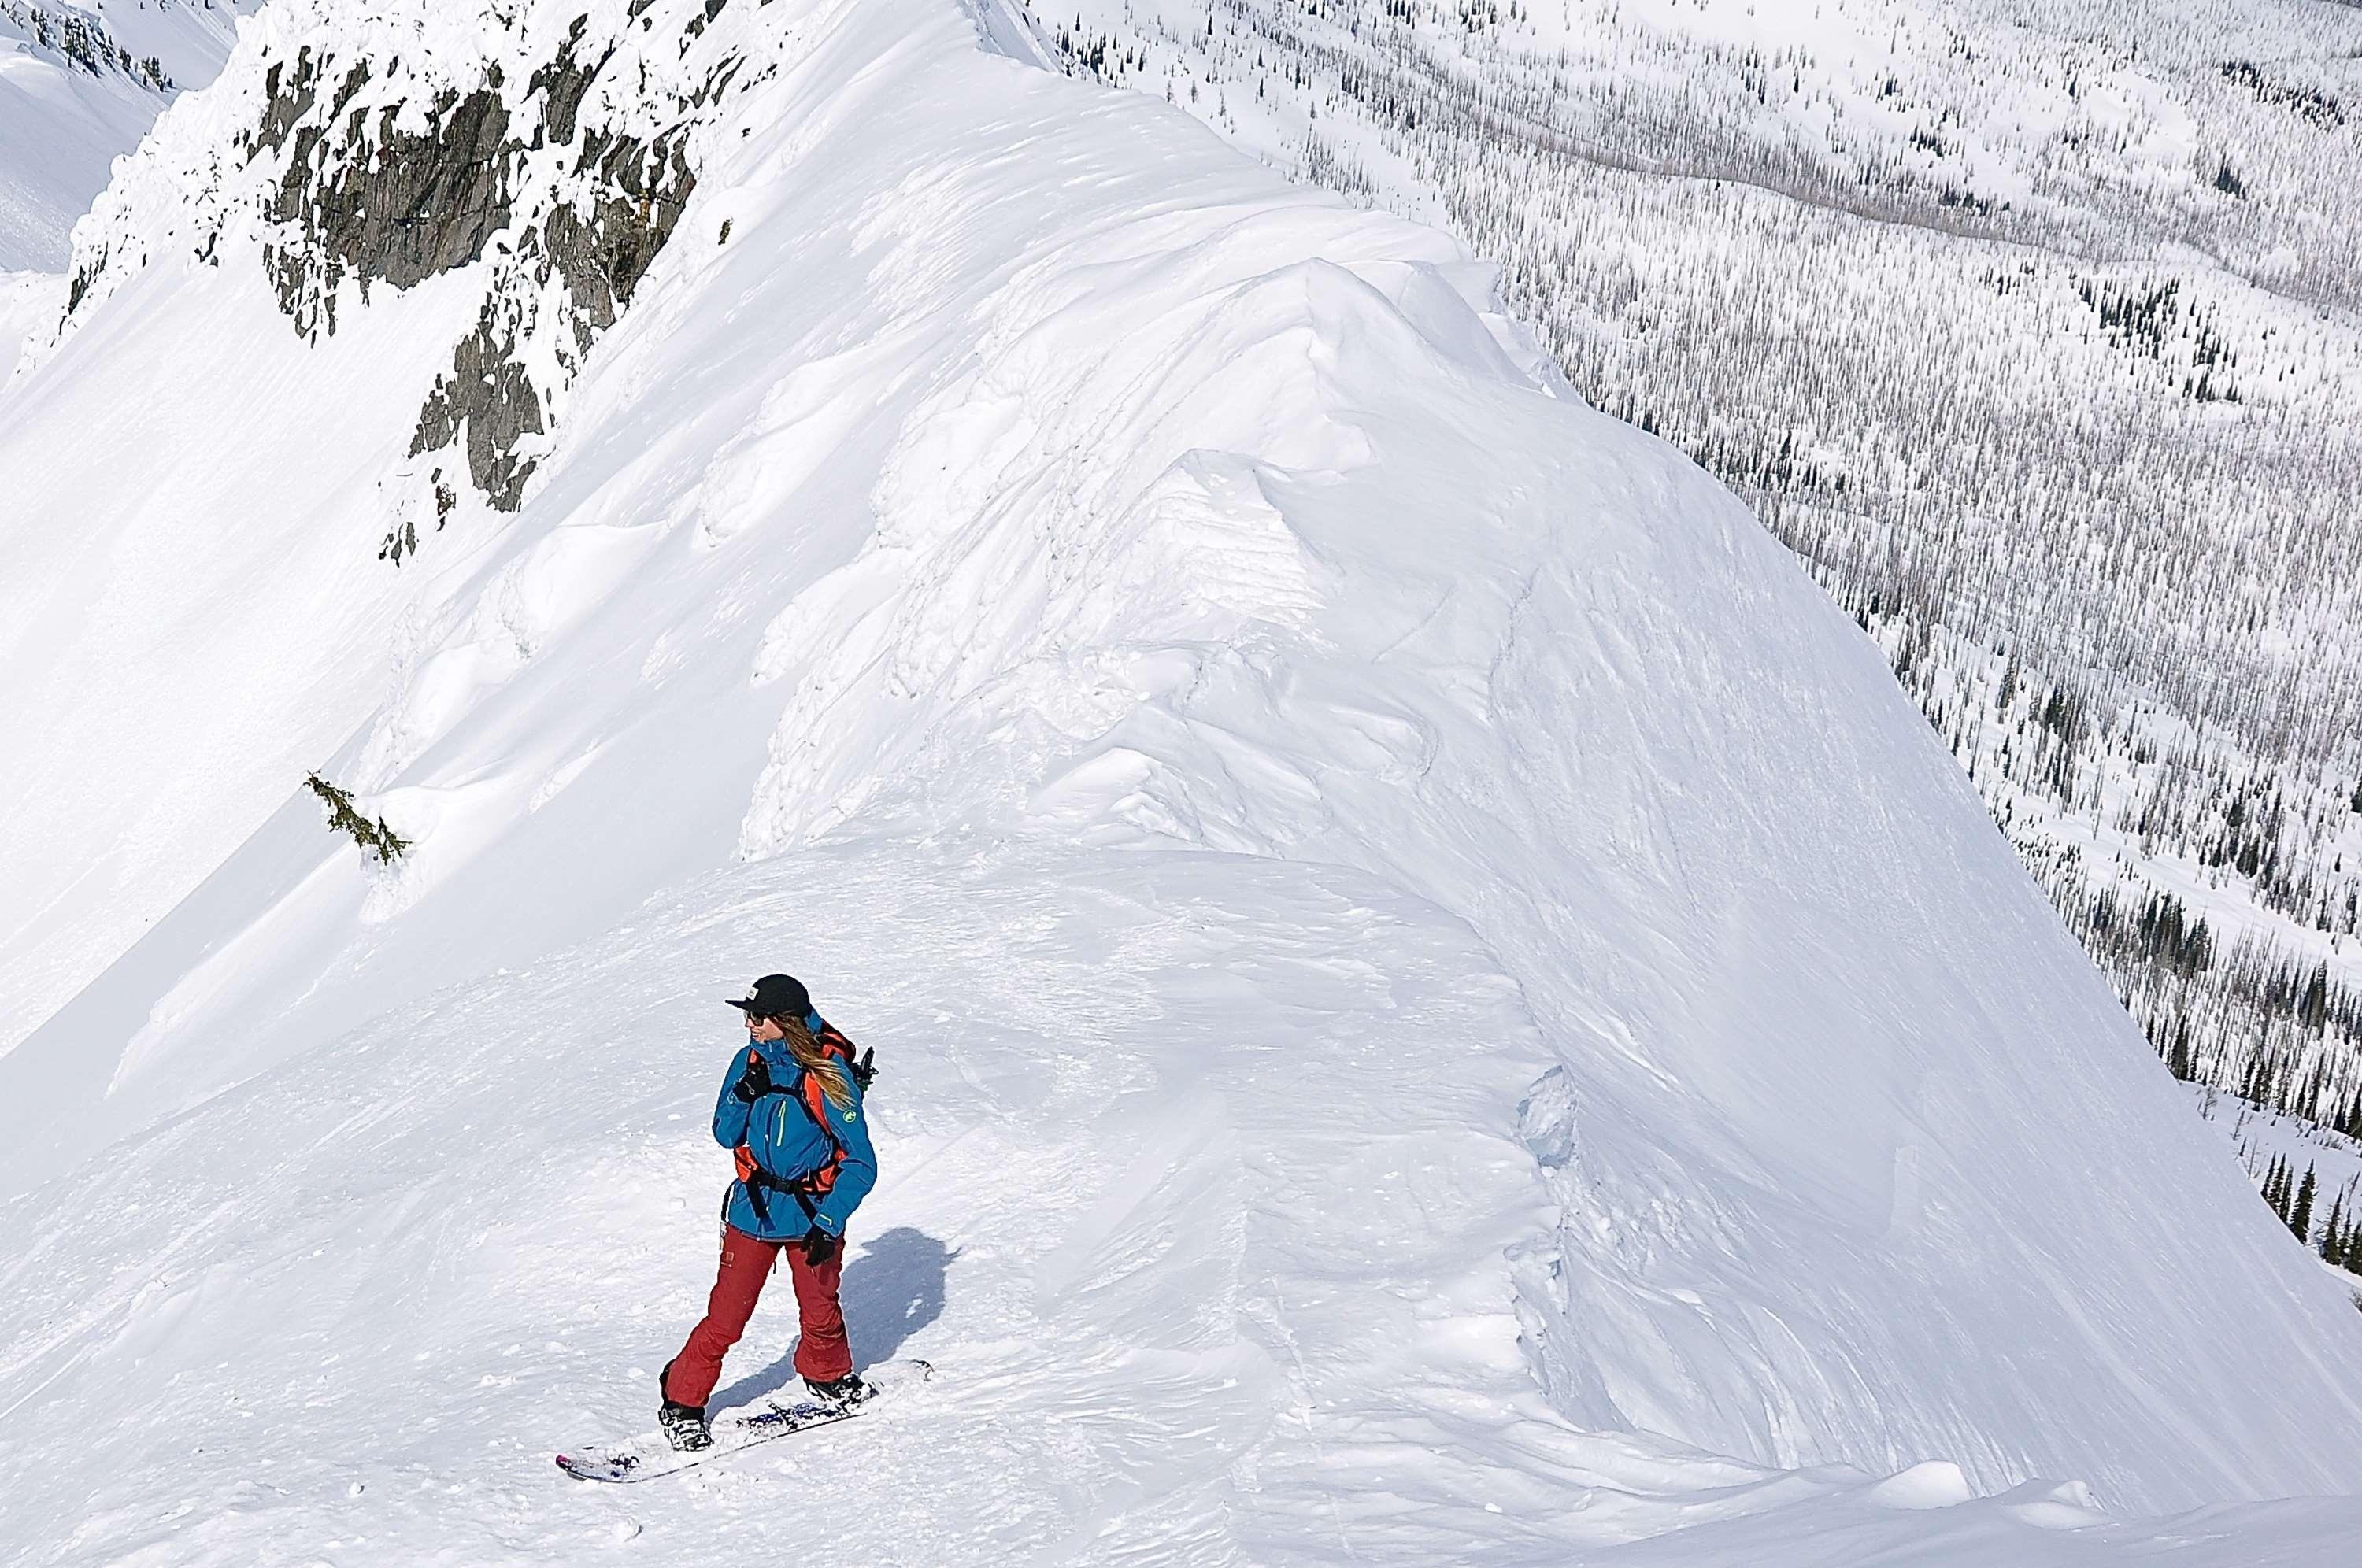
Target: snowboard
(649, 1457)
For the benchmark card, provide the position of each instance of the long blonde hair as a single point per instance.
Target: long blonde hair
(805, 1048)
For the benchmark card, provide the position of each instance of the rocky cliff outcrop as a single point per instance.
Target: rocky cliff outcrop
(555, 158)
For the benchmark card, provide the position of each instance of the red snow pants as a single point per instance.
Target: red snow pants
(821, 1352)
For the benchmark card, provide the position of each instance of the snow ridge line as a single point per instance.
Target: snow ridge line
(1031, 354)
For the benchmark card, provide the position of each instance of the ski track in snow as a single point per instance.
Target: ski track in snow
(1436, 1004)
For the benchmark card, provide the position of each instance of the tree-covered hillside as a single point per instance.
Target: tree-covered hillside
(2034, 337)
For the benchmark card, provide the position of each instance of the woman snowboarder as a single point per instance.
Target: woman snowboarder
(789, 1112)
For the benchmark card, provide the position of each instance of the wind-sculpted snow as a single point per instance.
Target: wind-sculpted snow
(80, 84)
(2030, 329)
(1437, 1003)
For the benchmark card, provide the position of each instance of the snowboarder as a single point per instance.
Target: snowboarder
(789, 1112)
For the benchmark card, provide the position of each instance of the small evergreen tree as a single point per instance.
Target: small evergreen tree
(374, 836)
(2301, 1217)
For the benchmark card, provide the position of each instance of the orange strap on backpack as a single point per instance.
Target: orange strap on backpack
(815, 1100)
(815, 1106)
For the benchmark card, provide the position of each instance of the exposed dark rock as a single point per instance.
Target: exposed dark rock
(361, 198)
(487, 394)
(355, 80)
(561, 85)
(84, 275)
(402, 539)
(416, 204)
(601, 257)
(291, 100)
(604, 256)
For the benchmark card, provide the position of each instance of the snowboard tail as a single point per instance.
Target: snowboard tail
(649, 1457)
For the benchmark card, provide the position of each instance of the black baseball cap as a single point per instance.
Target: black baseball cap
(776, 996)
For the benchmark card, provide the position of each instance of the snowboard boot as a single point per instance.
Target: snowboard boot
(684, 1424)
(843, 1392)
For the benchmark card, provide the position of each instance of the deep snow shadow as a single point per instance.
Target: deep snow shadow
(893, 1288)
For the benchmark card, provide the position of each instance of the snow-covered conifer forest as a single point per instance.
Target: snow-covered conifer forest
(1436, 1001)
(2031, 330)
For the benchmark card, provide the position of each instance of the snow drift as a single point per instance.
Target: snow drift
(79, 86)
(1437, 1001)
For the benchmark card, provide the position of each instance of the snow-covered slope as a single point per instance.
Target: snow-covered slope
(28, 303)
(80, 84)
(2036, 330)
(1437, 1002)
(2281, 1155)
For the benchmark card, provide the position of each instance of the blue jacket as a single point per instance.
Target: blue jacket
(785, 1144)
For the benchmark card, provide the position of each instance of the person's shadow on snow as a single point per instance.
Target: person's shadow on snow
(893, 1287)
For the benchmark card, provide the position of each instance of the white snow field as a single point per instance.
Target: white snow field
(80, 84)
(29, 302)
(1437, 1003)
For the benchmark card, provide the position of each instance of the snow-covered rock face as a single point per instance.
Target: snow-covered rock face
(388, 151)
(1416, 956)
(79, 84)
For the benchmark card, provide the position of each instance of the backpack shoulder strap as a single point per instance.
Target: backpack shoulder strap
(863, 1067)
(808, 1094)
(811, 1096)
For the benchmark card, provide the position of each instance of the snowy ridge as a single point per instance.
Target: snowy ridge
(1437, 1001)
(2035, 334)
(80, 84)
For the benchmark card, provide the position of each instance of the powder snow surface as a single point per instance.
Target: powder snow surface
(1435, 1003)
(28, 303)
(63, 121)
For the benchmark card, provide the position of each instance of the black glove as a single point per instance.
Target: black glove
(864, 1072)
(819, 1246)
(756, 1081)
